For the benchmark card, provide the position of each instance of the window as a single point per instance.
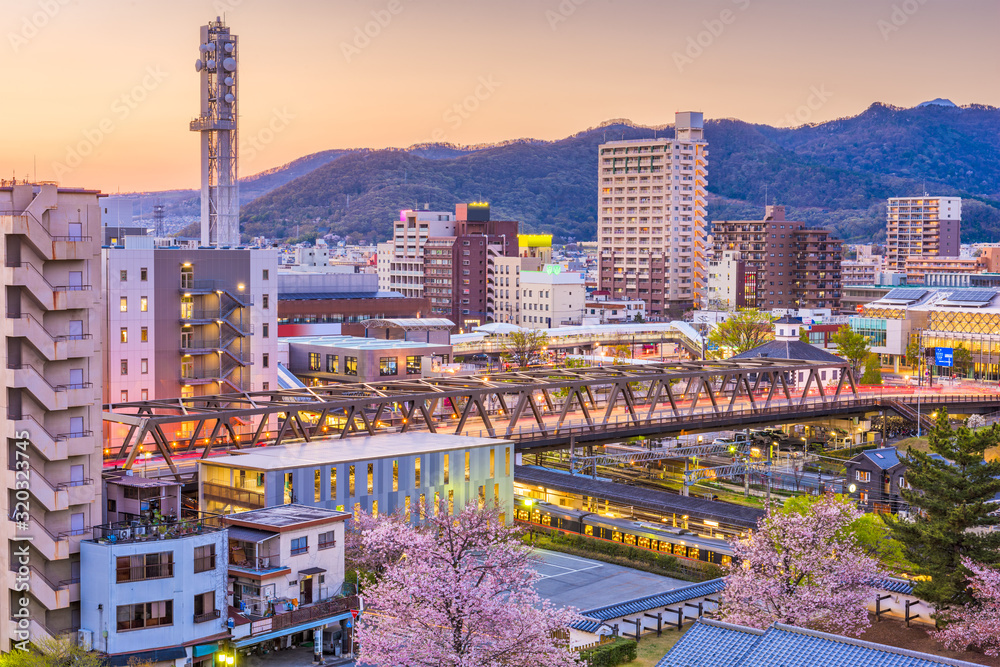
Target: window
(300, 545)
(143, 304)
(416, 472)
(266, 274)
(204, 558)
(267, 330)
(289, 489)
(204, 607)
(447, 474)
(371, 478)
(144, 566)
(387, 366)
(496, 494)
(143, 366)
(493, 463)
(423, 506)
(123, 304)
(124, 366)
(143, 273)
(331, 363)
(863, 476)
(350, 481)
(350, 365)
(333, 483)
(314, 361)
(482, 497)
(468, 468)
(506, 467)
(317, 486)
(187, 277)
(327, 540)
(145, 615)
(266, 360)
(437, 503)
(451, 502)
(266, 301)
(374, 509)
(144, 394)
(124, 275)
(144, 335)
(124, 397)
(413, 365)
(395, 476)
(406, 509)
(124, 334)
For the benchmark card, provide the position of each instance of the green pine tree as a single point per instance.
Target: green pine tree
(949, 505)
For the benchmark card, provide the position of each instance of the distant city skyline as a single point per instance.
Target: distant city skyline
(105, 90)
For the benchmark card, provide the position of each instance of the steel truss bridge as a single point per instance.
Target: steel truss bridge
(538, 408)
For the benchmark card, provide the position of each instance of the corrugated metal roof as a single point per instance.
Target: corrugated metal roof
(715, 644)
(648, 499)
(644, 604)
(249, 534)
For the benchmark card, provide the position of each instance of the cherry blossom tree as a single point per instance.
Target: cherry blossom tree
(976, 624)
(460, 594)
(804, 569)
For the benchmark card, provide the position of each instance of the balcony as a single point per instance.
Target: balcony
(148, 530)
(207, 616)
(60, 347)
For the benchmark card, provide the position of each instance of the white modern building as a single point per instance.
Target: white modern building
(52, 402)
(404, 273)
(503, 290)
(551, 298)
(600, 309)
(651, 218)
(381, 473)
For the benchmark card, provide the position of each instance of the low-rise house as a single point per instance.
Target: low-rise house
(286, 572)
(874, 478)
(154, 582)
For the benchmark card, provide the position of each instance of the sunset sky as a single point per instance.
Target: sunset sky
(99, 93)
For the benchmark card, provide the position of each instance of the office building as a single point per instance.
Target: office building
(456, 267)
(402, 270)
(381, 473)
(51, 241)
(796, 266)
(351, 359)
(551, 298)
(651, 218)
(922, 226)
(919, 267)
(187, 322)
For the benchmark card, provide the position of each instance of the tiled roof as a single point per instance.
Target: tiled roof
(643, 604)
(715, 644)
(587, 625)
(896, 586)
(789, 349)
(884, 458)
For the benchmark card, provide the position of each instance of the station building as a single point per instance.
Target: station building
(381, 473)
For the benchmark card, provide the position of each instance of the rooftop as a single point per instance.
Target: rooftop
(139, 482)
(334, 450)
(716, 644)
(885, 458)
(280, 517)
(790, 349)
(331, 296)
(358, 343)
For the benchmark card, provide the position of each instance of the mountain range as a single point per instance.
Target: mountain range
(836, 174)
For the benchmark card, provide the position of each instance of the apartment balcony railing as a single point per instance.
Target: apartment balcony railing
(145, 530)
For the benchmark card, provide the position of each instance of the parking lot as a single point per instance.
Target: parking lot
(585, 584)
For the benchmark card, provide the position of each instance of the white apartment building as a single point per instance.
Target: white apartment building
(726, 281)
(551, 298)
(53, 429)
(405, 271)
(383, 264)
(602, 310)
(503, 291)
(922, 226)
(651, 218)
(182, 322)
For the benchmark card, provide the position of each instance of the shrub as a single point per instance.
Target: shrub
(608, 655)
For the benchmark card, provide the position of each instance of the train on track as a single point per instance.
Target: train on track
(640, 534)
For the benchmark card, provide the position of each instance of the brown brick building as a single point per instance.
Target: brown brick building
(797, 266)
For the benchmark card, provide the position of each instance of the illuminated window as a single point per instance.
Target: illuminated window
(123, 303)
(387, 366)
(350, 365)
(395, 476)
(314, 361)
(124, 334)
(144, 335)
(331, 363)
(416, 472)
(375, 509)
(467, 468)
(143, 304)
(507, 462)
(350, 481)
(413, 365)
(333, 483)
(317, 486)
(447, 474)
(493, 463)
(423, 506)
(451, 502)
(406, 510)
(588, 530)
(371, 478)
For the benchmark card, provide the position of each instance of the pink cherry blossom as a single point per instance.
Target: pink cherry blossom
(804, 570)
(460, 593)
(977, 624)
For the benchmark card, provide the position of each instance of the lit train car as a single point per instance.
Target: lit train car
(661, 539)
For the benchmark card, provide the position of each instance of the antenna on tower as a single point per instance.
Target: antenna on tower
(159, 214)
